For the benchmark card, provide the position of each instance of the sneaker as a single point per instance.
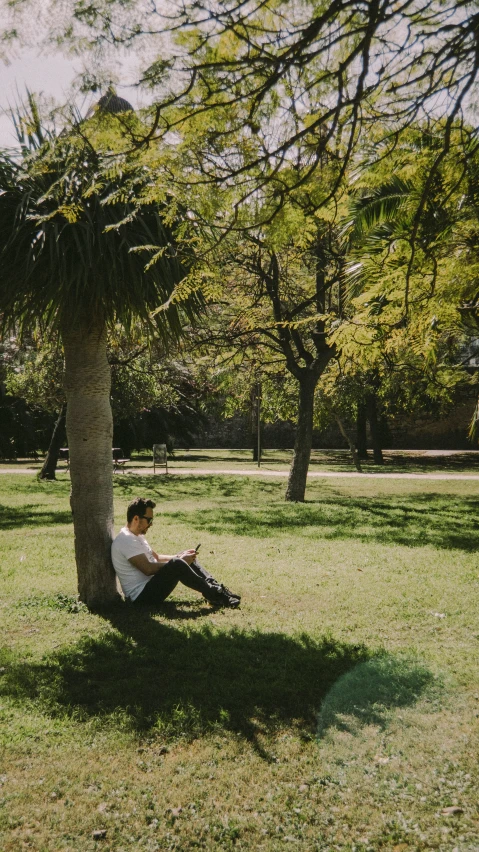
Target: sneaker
(230, 600)
(229, 593)
(223, 597)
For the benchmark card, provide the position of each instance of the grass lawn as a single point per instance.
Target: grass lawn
(338, 709)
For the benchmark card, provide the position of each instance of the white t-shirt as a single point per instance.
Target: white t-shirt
(123, 547)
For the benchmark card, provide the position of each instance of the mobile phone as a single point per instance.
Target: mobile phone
(197, 547)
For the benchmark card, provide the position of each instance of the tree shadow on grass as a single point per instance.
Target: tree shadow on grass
(193, 456)
(164, 681)
(176, 487)
(31, 515)
(399, 460)
(415, 520)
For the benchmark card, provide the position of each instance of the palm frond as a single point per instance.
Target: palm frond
(380, 205)
(70, 252)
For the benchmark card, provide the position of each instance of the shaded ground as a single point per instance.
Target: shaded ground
(186, 683)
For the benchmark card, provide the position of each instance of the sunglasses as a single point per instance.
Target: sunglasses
(150, 520)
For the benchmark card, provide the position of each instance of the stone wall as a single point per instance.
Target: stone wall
(415, 433)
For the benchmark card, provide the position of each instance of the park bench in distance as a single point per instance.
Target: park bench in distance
(118, 460)
(117, 455)
(160, 457)
(64, 455)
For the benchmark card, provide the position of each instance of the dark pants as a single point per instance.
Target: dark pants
(178, 571)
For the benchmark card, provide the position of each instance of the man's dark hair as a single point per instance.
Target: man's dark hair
(138, 506)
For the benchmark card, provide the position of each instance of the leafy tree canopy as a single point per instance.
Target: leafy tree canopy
(72, 224)
(249, 88)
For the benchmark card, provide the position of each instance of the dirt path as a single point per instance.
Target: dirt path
(311, 475)
(326, 474)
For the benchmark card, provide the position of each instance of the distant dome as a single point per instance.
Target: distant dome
(110, 102)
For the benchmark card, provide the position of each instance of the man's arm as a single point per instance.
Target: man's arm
(145, 566)
(188, 556)
(163, 558)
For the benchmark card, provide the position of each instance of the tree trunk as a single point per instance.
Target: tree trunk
(89, 426)
(51, 461)
(304, 436)
(255, 402)
(361, 440)
(350, 443)
(374, 428)
(255, 443)
(255, 446)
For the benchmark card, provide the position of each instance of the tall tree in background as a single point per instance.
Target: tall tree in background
(72, 258)
(281, 292)
(412, 281)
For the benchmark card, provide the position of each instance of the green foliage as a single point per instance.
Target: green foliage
(403, 335)
(157, 395)
(30, 395)
(36, 374)
(70, 223)
(24, 429)
(154, 397)
(139, 379)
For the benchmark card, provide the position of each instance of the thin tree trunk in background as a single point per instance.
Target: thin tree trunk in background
(361, 438)
(255, 402)
(372, 415)
(473, 432)
(349, 442)
(51, 460)
(89, 426)
(304, 437)
(255, 444)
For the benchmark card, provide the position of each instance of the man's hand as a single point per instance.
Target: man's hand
(188, 556)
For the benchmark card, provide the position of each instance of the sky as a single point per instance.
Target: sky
(49, 74)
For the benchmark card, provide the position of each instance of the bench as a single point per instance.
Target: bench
(117, 454)
(64, 455)
(160, 457)
(118, 460)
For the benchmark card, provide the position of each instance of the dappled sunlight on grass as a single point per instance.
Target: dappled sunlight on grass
(422, 519)
(199, 487)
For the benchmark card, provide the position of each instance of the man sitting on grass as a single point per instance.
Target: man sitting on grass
(146, 577)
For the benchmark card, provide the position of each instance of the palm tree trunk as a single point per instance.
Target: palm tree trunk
(51, 461)
(304, 437)
(90, 429)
